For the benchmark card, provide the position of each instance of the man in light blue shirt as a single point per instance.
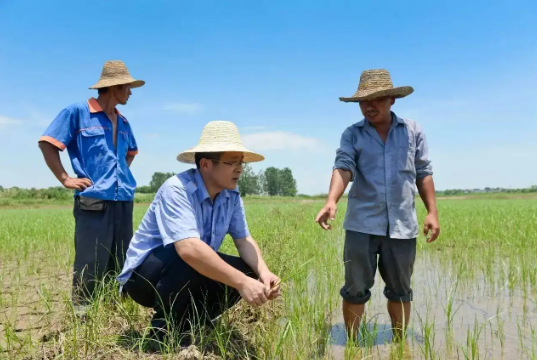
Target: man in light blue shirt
(173, 264)
(385, 157)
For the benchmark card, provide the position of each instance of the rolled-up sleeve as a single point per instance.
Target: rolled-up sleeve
(61, 130)
(175, 216)
(346, 153)
(422, 162)
(238, 227)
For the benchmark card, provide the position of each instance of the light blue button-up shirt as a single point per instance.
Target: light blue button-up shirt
(384, 175)
(183, 209)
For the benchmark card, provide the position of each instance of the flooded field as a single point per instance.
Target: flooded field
(474, 292)
(452, 318)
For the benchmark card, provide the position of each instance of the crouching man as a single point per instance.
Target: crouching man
(173, 264)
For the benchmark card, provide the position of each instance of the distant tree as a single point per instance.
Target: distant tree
(279, 182)
(1, 188)
(248, 182)
(272, 181)
(158, 179)
(287, 183)
(144, 189)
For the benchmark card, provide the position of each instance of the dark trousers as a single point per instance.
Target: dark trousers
(103, 231)
(180, 296)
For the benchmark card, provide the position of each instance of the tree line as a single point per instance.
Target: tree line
(271, 181)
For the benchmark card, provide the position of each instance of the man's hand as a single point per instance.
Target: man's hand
(431, 224)
(253, 292)
(76, 184)
(272, 285)
(328, 212)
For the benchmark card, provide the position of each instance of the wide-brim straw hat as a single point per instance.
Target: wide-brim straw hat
(219, 136)
(375, 84)
(116, 73)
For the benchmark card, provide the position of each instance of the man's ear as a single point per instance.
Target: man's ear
(393, 101)
(204, 163)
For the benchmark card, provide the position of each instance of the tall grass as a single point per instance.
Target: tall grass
(481, 274)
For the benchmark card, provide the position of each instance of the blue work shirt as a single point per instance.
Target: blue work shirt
(384, 175)
(183, 209)
(86, 131)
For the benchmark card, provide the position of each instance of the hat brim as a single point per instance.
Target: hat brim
(108, 83)
(398, 92)
(188, 156)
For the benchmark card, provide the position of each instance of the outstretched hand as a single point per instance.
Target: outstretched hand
(431, 227)
(328, 212)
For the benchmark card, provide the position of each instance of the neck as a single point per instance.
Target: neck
(107, 103)
(212, 188)
(385, 124)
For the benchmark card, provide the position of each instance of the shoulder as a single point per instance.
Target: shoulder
(74, 109)
(235, 197)
(174, 187)
(412, 125)
(354, 128)
(78, 107)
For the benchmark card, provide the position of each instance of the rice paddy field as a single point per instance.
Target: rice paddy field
(475, 291)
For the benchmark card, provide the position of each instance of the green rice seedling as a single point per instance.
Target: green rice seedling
(428, 335)
(485, 253)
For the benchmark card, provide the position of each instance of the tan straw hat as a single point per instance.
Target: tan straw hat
(377, 83)
(219, 136)
(115, 73)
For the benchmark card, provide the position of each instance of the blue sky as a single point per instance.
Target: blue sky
(278, 68)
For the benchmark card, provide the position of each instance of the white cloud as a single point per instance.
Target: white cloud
(4, 120)
(184, 108)
(281, 140)
(152, 136)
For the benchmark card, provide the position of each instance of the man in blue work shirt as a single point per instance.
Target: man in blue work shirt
(173, 264)
(385, 157)
(101, 147)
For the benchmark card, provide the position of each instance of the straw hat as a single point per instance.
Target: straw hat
(115, 73)
(219, 136)
(377, 83)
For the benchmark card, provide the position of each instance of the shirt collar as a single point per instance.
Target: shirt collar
(202, 189)
(94, 107)
(395, 118)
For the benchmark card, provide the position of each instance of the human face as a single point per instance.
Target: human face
(122, 93)
(227, 171)
(377, 111)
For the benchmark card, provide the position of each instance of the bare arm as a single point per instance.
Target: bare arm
(52, 158)
(251, 254)
(340, 180)
(427, 193)
(338, 184)
(206, 261)
(344, 172)
(129, 159)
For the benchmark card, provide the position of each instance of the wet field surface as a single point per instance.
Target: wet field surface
(452, 318)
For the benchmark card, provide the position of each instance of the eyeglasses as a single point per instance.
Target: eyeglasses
(234, 164)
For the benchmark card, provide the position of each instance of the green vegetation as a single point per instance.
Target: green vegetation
(475, 291)
(271, 182)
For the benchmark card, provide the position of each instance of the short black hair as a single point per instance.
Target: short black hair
(103, 90)
(206, 155)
